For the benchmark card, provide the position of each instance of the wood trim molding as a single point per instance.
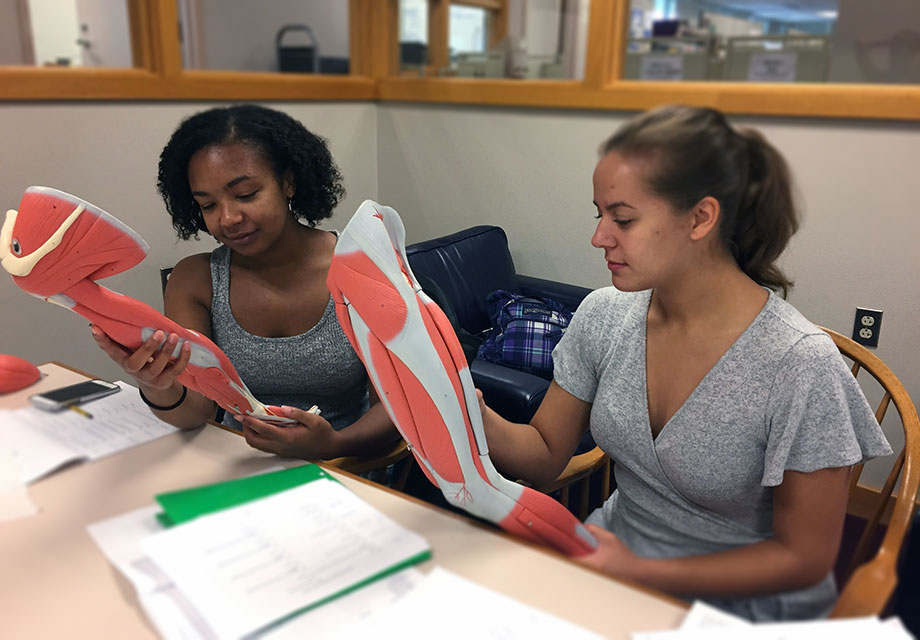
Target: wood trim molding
(162, 18)
(438, 35)
(490, 5)
(598, 57)
(498, 24)
(359, 37)
(27, 83)
(810, 100)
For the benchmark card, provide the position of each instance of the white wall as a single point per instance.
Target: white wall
(107, 154)
(529, 171)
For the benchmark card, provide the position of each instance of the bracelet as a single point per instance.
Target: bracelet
(160, 408)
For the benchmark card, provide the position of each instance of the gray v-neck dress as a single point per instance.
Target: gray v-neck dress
(781, 398)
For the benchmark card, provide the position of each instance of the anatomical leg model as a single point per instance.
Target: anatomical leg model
(416, 364)
(57, 245)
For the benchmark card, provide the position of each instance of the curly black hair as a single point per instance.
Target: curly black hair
(283, 141)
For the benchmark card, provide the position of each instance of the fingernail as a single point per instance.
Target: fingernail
(95, 330)
(286, 410)
(158, 335)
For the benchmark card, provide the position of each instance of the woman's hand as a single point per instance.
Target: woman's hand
(611, 556)
(151, 364)
(312, 438)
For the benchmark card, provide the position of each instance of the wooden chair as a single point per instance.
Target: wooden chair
(398, 453)
(872, 580)
(579, 473)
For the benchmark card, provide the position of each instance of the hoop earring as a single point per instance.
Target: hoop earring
(290, 207)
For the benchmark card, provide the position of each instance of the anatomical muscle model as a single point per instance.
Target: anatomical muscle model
(418, 368)
(56, 246)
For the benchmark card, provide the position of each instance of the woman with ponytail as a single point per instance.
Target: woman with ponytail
(731, 419)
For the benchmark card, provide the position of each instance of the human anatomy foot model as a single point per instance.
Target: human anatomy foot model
(57, 245)
(416, 364)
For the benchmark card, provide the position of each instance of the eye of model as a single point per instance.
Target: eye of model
(15, 246)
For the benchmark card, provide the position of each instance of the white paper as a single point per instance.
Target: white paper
(355, 607)
(14, 497)
(175, 616)
(254, 564)
(837, 629)
(706, 616)
(446, 606)
(41, 441)
(663, 67)
(772, 66)
(119, 540)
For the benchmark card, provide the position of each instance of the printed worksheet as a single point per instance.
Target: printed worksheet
(40, 441)
(249, 567)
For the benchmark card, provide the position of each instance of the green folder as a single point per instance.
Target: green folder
(186, 504)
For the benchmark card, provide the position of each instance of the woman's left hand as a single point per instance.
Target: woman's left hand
(311, 438)
(611, 556)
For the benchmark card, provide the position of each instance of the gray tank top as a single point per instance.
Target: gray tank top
(316, 367)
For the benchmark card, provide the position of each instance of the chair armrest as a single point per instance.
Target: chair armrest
(514, 395)
(569, 295)
(362, 464)
(580, 466)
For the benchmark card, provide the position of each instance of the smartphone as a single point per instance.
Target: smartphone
(78, 393)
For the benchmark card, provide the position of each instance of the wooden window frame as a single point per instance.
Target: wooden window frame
(158, 74)
(603, 88)
(373, 35)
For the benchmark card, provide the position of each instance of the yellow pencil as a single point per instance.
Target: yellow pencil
(81, 411)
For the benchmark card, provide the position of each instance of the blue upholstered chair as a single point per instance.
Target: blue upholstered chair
(458, 271)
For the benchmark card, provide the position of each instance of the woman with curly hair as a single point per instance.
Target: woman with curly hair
(258, 182)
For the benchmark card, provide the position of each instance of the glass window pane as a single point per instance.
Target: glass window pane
(65, 33)
(290, 36)
(541, 39)
(413, 36)
(779, 41)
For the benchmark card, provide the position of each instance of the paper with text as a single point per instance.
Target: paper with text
(254, 565)
(40, 441)
(448, 607)
(176, 618)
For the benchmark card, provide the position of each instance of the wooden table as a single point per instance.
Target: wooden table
(55, 583)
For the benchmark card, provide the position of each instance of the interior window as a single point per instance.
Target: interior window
(288, 36)
(780, 41)
(535, 39)
(65, 33)
(413, 36)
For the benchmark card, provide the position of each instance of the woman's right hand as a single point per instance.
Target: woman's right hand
(151, 365)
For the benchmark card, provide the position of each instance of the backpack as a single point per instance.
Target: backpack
(524, 332)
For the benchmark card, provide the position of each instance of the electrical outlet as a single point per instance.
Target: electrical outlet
(866, 326)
